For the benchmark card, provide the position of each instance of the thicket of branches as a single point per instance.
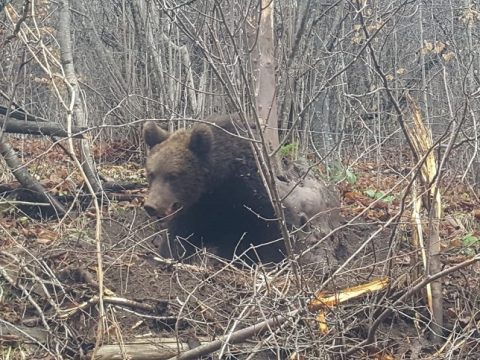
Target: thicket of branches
(350, 77)
(343, 68)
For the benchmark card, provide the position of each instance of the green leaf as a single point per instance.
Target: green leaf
(289, 150)
(470, 241)
(371, 193)
(379, 195)
(388, 199)
(337, 173)
(351, 177)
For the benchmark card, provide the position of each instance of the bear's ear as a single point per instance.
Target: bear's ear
(153, 134)
(201, 140)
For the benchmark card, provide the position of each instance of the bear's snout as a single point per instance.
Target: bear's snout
(150, 210)
(154, 211)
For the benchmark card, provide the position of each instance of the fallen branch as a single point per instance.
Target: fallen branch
(23, 176)
(19, 114)
(38, 128)
(114, 186)
(234, 338)
(146, 349)
(113, 300)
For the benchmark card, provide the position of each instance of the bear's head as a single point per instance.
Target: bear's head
(177, 168)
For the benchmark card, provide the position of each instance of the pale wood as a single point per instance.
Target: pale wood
(152, 349)
(265, 80)
(80, 119)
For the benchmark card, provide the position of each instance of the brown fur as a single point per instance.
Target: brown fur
(204, 182)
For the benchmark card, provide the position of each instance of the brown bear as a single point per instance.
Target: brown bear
(205, 185)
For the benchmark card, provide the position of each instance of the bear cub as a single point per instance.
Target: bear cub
(205, 186)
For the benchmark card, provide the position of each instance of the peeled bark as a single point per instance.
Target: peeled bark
(265, 82)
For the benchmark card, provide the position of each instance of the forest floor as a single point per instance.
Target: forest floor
(49, 289)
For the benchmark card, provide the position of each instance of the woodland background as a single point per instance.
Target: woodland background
(338, 81)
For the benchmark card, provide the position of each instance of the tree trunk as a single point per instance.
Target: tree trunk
(435, 266)
(65, 43)
(265, 83)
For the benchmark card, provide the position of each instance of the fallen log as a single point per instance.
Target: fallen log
(147, 349)
(39, 128)
(20, 114)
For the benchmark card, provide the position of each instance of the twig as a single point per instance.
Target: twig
(236, 337)
(25, 292)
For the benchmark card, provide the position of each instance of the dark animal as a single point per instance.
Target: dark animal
(204, 184)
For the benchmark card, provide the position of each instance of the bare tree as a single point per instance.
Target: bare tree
(80, 119)
(264, 70)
